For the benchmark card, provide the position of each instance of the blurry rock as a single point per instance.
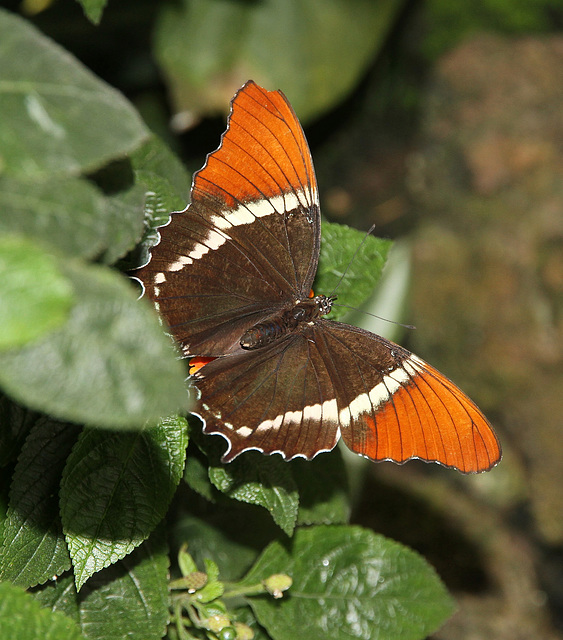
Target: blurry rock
(487, 183)
(489, 255)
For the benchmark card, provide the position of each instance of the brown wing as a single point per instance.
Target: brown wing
(249, 240)
(277, 399)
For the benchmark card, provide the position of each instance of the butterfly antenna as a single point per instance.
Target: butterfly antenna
(347, 306)
(368, 233)
(373, 315)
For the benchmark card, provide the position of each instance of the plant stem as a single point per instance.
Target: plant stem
(235, 590)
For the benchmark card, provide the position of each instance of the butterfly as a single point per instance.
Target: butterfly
(231, 275)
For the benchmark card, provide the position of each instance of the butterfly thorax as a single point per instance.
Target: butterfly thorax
(303, 312)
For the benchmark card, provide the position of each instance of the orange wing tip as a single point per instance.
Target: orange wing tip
(198, 363)
(430, 419)
(263, 153)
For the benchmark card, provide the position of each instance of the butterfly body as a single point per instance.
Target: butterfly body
(303, 312)
(232, 274)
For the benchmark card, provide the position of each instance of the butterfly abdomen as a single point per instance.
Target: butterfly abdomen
(303, 312)
(262, 334)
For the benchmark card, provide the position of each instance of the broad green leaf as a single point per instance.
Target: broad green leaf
(350, 583)
(35, 297)
(57, 117)
(110, 365)
(351, 263)
(323, 489)
(22, 617)
(93, 9)
(196, 475)
(263, 480)
(156, 166)
(75, 216)
(34, 548)
(209, 49)
(167, 188)
(116, 488)
(59, 595)
(70, 214)
(125, 222)
(129, 599)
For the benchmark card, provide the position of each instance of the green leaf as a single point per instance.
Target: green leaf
(211, 569)
(57, 117)
(110, 365)
(323, 489)
(116, 488)
(22, 617)
(163, 173)
(34, 548)
(186, 562)
(349, 582)
(263, 480)
(350, 261)
(213, 589)
(35, 297)
(70, 214)
(74, 216)
(209, 49)
(93, 9)
(167, 188)
(59, 595)
(125, 220)
(196, 475)
(129, 599)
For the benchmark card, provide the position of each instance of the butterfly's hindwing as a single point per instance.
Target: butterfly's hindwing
(297, 396)
(394, 406)
(279, 398)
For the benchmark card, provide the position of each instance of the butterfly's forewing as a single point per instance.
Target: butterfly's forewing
(249, 241)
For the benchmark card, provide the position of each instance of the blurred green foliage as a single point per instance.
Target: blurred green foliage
(449, 22)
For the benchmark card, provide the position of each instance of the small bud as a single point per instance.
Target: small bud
(244, 632)
(217, 623)
(195, 581)
(277, 584)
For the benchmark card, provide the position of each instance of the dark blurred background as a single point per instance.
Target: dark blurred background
(442, 123)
